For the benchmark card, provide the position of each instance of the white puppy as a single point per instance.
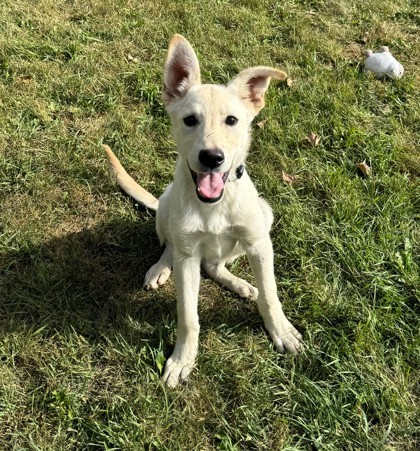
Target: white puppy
(211, 213)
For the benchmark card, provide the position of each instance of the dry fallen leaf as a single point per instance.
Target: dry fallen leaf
(261, 123)
(288, 178)
(289, 82)
(364, 168)
(313, 139)
(25, 79)
(132, 58)
(365, 37)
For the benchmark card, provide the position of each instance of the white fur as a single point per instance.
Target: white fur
(196, 233)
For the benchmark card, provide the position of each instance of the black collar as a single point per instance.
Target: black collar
(239, 172)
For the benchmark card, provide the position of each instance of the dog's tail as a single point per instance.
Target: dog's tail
(128, 184)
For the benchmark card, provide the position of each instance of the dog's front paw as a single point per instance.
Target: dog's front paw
(286, 338)
(176, 371)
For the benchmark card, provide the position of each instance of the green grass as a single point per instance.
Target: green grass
(82, 345)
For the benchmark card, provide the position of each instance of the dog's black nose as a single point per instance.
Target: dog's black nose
(211, 158)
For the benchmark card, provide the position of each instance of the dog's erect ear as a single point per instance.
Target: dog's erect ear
(251, 84)
(181, 71)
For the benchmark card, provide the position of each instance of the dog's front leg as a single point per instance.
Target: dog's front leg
(285, 336)
(187, 281)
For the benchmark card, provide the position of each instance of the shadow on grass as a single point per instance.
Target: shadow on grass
(86, 280)
(92, 282)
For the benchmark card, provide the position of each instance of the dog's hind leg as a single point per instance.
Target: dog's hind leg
(219, 272)
(159, 273)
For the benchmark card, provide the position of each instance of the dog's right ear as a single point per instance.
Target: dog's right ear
(182, 69)
(251, 85)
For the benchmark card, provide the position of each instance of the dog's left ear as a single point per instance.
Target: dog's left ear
(251, 84)
(181, 71)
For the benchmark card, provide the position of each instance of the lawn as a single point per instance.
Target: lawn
(82, 345)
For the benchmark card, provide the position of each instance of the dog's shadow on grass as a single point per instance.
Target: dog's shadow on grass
(85, 280)
(92, 282)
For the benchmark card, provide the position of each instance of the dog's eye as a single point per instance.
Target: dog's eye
(231, 120)
(190, 121)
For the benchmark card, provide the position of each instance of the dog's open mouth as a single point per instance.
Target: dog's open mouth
(209, 185)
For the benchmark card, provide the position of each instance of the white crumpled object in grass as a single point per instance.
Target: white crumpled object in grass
(383, 63)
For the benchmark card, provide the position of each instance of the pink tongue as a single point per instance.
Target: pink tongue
(210, 185)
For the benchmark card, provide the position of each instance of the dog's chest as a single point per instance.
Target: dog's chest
(211, 236)
(212, 246)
